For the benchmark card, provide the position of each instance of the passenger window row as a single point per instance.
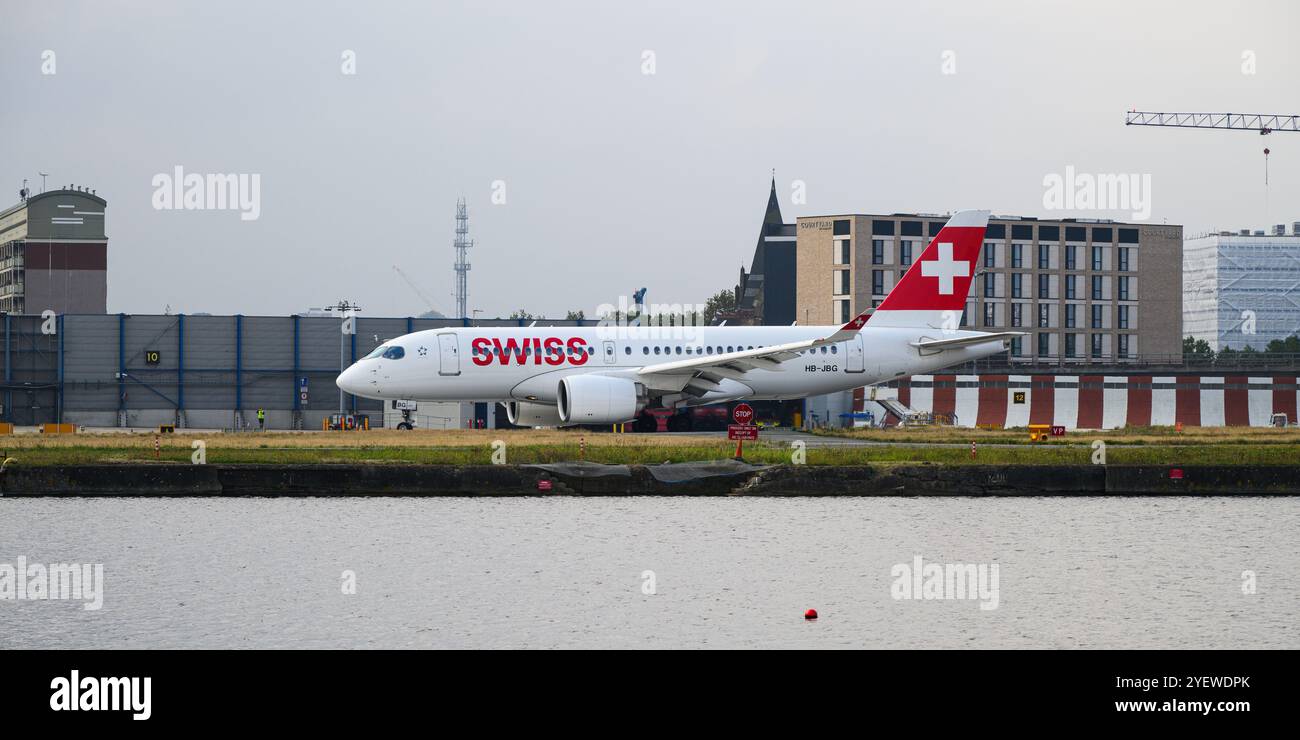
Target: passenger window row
(660, 350)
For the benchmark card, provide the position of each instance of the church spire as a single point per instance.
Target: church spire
(772, 218)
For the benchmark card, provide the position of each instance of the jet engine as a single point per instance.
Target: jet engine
(525, 414)
(599, 399)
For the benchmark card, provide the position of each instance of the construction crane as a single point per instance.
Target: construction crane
(1264, 123)
(417, 290)
(1261, 122)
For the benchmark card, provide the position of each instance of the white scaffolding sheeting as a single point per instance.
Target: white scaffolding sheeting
(1241, 291)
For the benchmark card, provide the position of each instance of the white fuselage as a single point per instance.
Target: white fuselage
(527, 363)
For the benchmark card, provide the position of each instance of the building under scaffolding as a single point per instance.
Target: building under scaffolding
(1242, 289)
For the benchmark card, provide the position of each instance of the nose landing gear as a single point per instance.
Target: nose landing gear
(408, 414)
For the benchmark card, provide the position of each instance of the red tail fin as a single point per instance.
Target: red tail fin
(939, 281)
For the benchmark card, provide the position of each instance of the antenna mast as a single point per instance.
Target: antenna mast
(462, 244)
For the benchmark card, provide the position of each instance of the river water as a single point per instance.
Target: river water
(659, 572)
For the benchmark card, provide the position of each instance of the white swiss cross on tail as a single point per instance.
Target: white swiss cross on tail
(945, 268)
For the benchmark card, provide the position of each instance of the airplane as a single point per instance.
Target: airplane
(561, 376)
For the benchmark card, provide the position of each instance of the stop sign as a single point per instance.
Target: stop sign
(743, 413)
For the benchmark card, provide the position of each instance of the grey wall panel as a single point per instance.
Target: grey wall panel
(33, 354)
(320, 343)
(145, 333)
(90, 348)
(268, 378)
(372, 332)
(89, 396)
(268, 391)
(268, 342)
(149, 417)
(209, 377)
(90, 367)
(312, 419)
(209, 391)
(210, 342)
(425, 324)
(209, 419)
(31, 395)
(151, 386)
(150, 394)
(90, 418)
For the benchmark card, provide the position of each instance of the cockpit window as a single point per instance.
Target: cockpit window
(394, 353)
(377, 351)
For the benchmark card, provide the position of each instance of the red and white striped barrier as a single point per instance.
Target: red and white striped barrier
(1103, 401)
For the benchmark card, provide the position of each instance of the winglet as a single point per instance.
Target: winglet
(857, 323)
(848, 331)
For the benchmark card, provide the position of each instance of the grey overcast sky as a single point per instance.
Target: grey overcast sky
(614, 179)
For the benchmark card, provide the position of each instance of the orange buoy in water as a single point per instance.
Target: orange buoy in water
(810, 614)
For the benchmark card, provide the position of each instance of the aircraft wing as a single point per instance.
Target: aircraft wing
(701, 374)
(706, 373)
(733, 364)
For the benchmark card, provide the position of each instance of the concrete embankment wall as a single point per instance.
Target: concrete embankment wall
(781, 480)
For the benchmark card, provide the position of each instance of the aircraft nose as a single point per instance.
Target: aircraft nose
(348, 381)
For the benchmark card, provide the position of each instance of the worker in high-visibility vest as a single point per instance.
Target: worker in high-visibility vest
(261, 420)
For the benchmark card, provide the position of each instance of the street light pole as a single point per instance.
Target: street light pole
(347, 310)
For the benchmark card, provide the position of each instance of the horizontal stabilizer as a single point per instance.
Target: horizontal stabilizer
(939, 344)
